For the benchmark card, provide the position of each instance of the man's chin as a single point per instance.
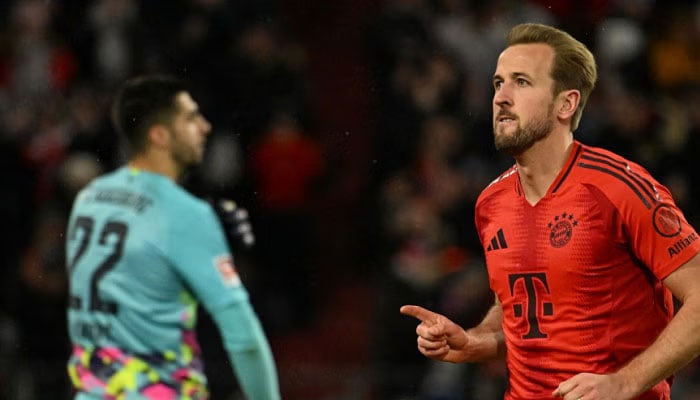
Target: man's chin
(197, 159)
(513, 151)
(511, 147)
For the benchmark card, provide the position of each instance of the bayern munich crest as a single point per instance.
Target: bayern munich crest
(561, 229)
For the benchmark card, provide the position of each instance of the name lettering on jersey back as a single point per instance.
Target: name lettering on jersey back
(533, 302)
(680, 245)
(120, 197)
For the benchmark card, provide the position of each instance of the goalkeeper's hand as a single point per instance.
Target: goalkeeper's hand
(236, 221)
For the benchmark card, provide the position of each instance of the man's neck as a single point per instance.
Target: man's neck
(539, 165)
(157, 164)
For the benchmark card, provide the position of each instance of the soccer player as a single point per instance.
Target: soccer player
(583, 247)
(142, 253)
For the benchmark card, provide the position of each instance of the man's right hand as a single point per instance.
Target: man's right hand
(438, 337)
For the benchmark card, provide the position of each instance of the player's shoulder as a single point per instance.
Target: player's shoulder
(162, 194)
(504, 181)
(596, 165)
(186, 205)
(605, 161)
(615, 175)
(105, 180)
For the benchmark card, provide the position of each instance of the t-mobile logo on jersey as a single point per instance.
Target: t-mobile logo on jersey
(533, 303)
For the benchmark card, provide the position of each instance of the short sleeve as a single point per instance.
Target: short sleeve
(658, 232)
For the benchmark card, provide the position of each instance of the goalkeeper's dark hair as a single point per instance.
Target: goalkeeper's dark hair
(142, 102)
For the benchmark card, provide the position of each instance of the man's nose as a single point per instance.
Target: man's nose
(502, 96)
(205, 126)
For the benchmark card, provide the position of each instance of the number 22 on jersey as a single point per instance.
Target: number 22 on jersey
(110, 236)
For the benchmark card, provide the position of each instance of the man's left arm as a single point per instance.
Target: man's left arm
(675, 347)
(249, 350)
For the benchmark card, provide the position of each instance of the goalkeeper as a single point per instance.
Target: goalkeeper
(142, 253)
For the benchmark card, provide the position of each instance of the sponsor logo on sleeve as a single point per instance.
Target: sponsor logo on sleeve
(681, 244)
(227, 271)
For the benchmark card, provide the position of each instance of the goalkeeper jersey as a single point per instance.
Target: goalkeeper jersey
(579, 274)
(141, 253)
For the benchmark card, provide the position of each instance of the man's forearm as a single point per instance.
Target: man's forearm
(486, 339)
(676, 346)
(257, 373)
(249, 351)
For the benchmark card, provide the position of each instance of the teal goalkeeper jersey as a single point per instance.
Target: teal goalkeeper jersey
(140, 252)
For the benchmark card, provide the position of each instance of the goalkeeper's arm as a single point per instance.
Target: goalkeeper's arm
(249, 351)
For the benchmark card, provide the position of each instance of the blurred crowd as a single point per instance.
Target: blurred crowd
(357, 133)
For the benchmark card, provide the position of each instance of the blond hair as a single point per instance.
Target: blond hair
(574, 66)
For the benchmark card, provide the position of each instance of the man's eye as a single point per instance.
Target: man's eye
(522, 82)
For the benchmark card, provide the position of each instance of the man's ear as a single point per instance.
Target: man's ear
(570, 100)
(159, 136)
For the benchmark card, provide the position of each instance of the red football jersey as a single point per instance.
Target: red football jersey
(579, 274)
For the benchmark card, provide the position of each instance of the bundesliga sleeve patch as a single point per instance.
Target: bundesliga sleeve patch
(227, 271)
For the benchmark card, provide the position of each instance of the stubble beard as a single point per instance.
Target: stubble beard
(524, 136)
(186, 155)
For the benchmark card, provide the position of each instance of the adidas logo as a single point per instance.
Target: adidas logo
(498, 241)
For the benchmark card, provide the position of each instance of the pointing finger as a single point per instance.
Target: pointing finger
(424, 315)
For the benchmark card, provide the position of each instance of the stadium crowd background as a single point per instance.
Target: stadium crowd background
(357, 133)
